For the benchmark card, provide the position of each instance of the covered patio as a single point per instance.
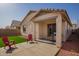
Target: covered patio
(49, 27)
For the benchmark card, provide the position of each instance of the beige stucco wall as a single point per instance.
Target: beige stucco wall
(67, 29)
(29, 25)
(59, 31)
(29, 29)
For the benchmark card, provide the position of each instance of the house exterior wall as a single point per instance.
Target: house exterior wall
(29, 27)
(67, 29)
(39, 29)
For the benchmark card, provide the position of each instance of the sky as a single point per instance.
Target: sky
(17, 11)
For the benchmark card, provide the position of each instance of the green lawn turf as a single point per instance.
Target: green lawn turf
(18, 39)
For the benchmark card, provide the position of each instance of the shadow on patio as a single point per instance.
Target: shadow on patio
(11, 50)
(47, 41)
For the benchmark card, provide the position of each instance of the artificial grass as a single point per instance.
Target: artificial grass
(17, 39)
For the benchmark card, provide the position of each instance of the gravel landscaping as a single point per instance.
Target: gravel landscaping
(70, 47)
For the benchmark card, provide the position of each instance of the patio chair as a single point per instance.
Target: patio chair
(30, 39)
(7, 42)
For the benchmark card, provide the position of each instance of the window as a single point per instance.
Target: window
(24, 29)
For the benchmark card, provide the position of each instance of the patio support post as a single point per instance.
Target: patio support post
(21, 30)
(34, 29)
(37, 31)
(59, 31)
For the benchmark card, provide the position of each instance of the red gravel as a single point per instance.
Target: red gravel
(70, 47)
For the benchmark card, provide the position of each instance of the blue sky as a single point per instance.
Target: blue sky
(9, 12)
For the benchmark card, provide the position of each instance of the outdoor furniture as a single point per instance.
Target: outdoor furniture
(30, 37)
(7, 42)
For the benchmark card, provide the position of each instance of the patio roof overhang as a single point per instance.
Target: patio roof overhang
(45, 17)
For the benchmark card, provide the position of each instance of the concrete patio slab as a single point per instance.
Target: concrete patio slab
(24, 49)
